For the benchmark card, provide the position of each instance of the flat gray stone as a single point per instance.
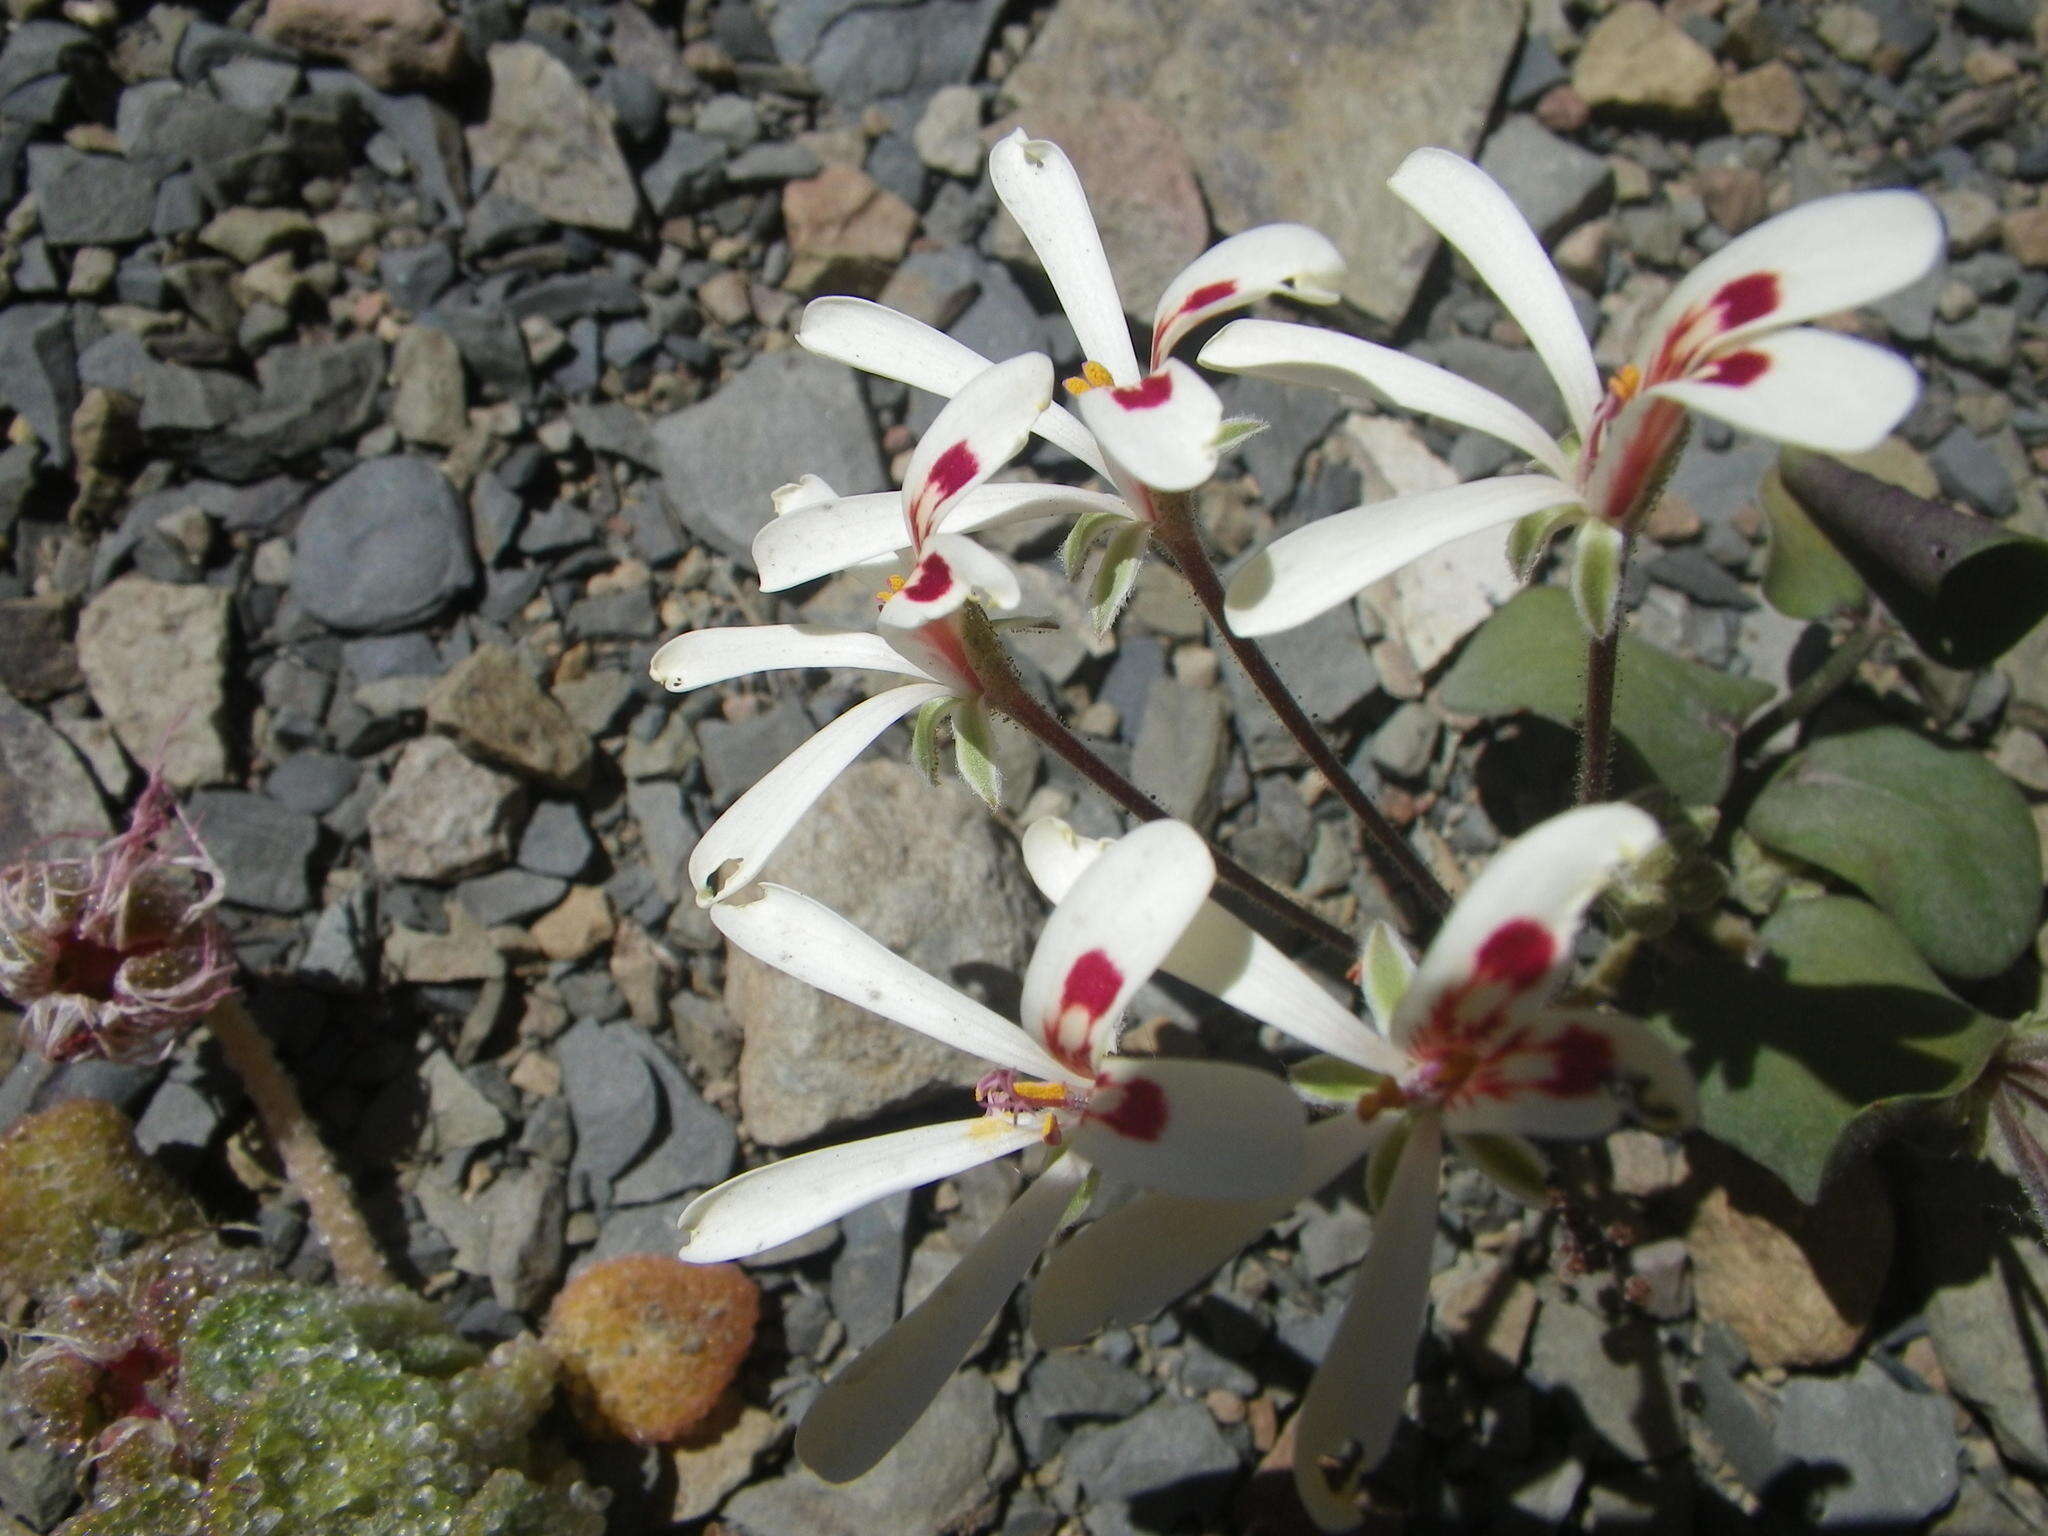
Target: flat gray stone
(90, 199)
(613, 1097)
(1555, 183)
(45, 788)
(385, 547)
(1620, 1380)
(1882, 1457)
(1181, 745)
(265, 849)
(1171, 1446)
(722, 458)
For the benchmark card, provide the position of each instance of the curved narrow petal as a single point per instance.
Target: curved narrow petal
(777, 1203)
(1349, 365)
(1468, 208)
(1225, 958)
(808, 940)
(1126, 1266)
(1162, 429)
(1359, 1389)
(872, 1404)
(703, 656)
(735, 848)
(1038, 184)
(1205, 1129)
(886, 342)
(1312, 570)
(1510, 935)
(975, 434)
(1108, 935)
(1273, 258)
(954, 568)
(1803, 386)
(1831, 254)
(804, 491)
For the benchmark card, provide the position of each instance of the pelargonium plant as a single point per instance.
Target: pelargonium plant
(1056, 1082)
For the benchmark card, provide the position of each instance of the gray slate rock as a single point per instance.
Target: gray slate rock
(90, 199)
(556, 841)
(722, 457)
(1619, 1379)
(510, 896)
(264, 848)
(695, 1144)
(613, 1097)
(1180, 750)
(738, 752)
(312, 783)
(859, 53)
(1898, 1448)
(385, 547)
(1171, 1448)
(1556, 184)
(1296, 420)
(39, 373)
(1970, 470)
(312, 396)
(867, 1272)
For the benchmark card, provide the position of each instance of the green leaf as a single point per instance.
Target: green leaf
(1806, 578)
(1512, 1162)
(1236, 429)
(1332, 1080)
(1677, 719)
(1806, 1062)
(1939, 839)
(1596, 575)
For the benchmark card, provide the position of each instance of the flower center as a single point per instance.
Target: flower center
(1093, 376)
(86, 969)
(895, 586)
(1625, 383)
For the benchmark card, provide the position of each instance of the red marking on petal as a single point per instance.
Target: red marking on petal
(1746, 299)
(933, 578)
(1092, 984)
(1736, 369)
(1137, 1108)
(951, 470)
(1155, 390)
(1209, 293)
(1582, 1060)
(1517, 953)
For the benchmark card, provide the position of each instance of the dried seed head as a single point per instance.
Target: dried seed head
(117, 953)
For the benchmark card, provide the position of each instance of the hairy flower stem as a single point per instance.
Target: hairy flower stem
(1413, 884)
(1006, 694)
(307, 1163)
(1596, 729)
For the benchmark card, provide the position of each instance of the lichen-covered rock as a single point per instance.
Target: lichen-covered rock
(649, 1344)
(71, 1177)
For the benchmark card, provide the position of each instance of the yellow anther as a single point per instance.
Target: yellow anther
(1093, 376)
(895, 586)
(1041, 1093)
(1623, 385)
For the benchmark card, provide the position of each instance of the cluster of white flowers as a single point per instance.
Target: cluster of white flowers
(1467, 1043)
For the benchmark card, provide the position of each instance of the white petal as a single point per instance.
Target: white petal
(779, 1202)
(1108, 935)
(1325, 359)
(1038, 184)
(703, 656)
(954, 569)
(1804, 386)
(872, 1404)
(1128, 1265)
(975, 434)
(1469, 209)
(887, 342)
(1510, 935)
(808, 940)
(1205, 1129)
(1313, 569)
(1163, 429)
(1556, 1074)
(754, 825)
(1359, 1389)
(804, 491)
(1273, 258)
(1827, 255)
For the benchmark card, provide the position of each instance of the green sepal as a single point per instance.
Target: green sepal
(1513, 1163)
(1531, 535)
(1385, 1158)
(1332, 1080)
(1596, 576)
(1236, 429)
(974, 754)
(1081, 538)
(1084, 1194)
(924, 737)
(1116, 575)
(1384, 973)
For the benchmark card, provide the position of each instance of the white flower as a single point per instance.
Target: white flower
(1187, 1127)
(1466, 1044)
(1726, 343)
(1159, 427)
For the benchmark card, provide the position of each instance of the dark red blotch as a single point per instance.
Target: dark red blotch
(932, 578)
(1518, 952)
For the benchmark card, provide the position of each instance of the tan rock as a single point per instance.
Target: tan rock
(393, 44)
(1767, 99)
(430, 404)
(493, 705)
(155, 656)
(846, 233)
(2026, 236)
(552, 144)
(580, 923)
(719, 1458)
(1486, 1311)
(1141, 188)
(1734, 196)
(464, 953)
(1971, 217)
(1850, 32)
(1637, 60)
(1797, 1284)
(442, 816)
